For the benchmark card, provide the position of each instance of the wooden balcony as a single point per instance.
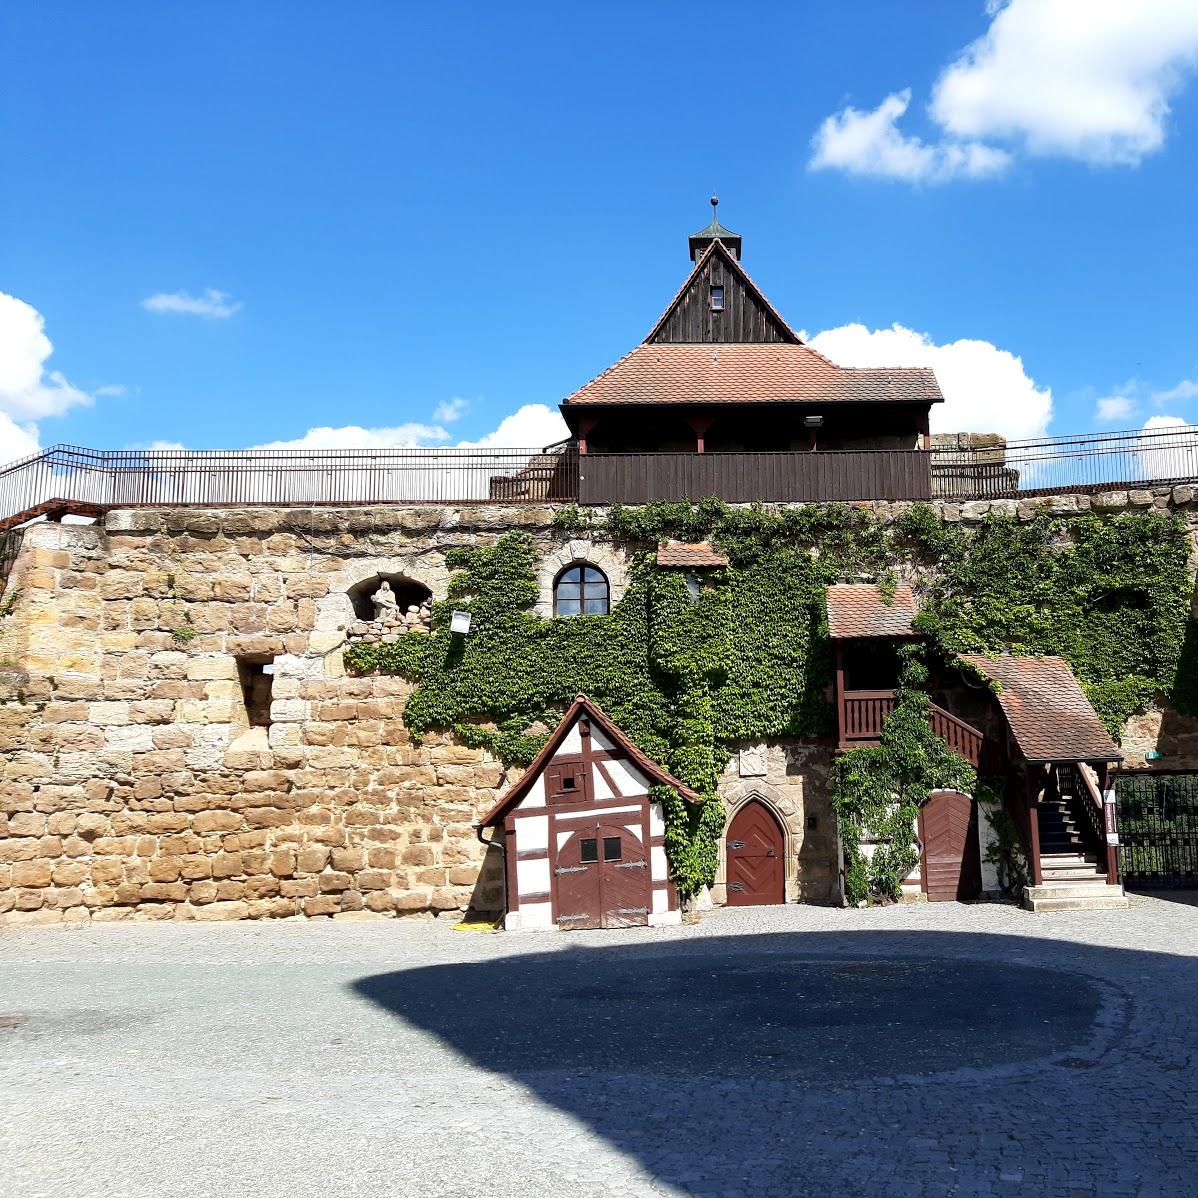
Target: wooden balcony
(862, 714)
(793, 477)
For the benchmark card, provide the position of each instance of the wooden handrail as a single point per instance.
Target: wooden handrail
(1104, 820)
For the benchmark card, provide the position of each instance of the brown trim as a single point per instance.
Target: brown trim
(542, 896)
(532, 854)
(583, 705)
(1033, 819)
(509, 860)
(840, 698)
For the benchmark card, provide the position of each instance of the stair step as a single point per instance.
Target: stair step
(1078, 896)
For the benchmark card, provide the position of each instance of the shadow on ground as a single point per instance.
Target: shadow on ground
(723, 1063)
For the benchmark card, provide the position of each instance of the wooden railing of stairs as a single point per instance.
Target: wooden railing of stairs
(862, 714)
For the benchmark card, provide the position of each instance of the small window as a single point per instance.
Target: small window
(611, 848)
(256, 675)
(589, 850)
(581, 591)
(717, 297)
(568, 782)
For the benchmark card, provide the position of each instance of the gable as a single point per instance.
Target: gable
(601, 766)
(747, 316)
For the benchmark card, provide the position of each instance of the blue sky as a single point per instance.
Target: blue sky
(403, 206)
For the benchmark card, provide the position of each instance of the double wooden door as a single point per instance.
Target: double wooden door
(601, 879)
(756, 854)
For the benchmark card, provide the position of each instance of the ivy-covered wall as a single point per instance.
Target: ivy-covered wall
(748, 659)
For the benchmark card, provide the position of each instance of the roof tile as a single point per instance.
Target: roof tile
(860, 610)
(676, 553)
(1049, 715)
(749, 373)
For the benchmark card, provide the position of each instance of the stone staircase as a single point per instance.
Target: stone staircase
(1072, 878)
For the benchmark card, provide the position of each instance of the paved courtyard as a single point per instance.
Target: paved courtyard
(936, 1050)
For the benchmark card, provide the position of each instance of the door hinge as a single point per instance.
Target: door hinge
(735, 886)
(633, 865)
(736, 844)
(571, 869)
(571, 918)
(633, 911)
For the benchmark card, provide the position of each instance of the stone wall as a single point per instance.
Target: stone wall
(134, 785)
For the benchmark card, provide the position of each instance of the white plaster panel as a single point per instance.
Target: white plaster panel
(535, 796)
(664, 919)
(533, 833)
(601, 741)
(657, 823)
(574, 816)
(661, 901)
(532, 877)
(628, 779)
(572, 745)
(657, 863)
(634, 830)
(599, 787)
(533, 917)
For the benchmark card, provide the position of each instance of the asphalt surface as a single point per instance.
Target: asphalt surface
(936, 1050)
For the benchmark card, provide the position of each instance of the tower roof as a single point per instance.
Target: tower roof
(699, 241)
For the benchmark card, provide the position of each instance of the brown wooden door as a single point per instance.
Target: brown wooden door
(602, 879)
(951, 865)
(756, 851)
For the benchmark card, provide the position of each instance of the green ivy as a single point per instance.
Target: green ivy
(749, 659)
(877, 792)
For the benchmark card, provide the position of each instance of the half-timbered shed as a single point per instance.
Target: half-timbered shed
(584, 847)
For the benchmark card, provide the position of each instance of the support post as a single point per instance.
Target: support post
(1033, 823)
(840, 703)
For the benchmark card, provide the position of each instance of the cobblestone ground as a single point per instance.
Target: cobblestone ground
(937, 1050)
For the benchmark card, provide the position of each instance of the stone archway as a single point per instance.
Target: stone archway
(788, 817)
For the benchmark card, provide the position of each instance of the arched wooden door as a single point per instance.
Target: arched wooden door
(601, 879)
(756, 854)
(951, 866)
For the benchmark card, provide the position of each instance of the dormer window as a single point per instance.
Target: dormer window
(717, 297)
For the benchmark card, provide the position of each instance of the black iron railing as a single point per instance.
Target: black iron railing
(68, 478)
(1158, 829)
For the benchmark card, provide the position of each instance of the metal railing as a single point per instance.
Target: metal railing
(1158, 829)
(70, 478)
(1055, 465)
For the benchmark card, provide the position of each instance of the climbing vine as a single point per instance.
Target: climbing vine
(877, 792)
(749, 659)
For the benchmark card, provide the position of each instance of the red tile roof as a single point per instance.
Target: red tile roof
(676, 553)
(860, 610)
(1049, 716)
(749, 373)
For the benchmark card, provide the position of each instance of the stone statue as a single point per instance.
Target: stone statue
(385, 603)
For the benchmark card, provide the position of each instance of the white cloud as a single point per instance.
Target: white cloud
(447, 411)
(529, 427)
(1113, 409)
(986, 389)
(1083, 79)
(1165, 456)
(1186, 389)
(212, 305)
(27, 391)
(16, 440)
(354, 436)
(1086, 79)
(870, 143)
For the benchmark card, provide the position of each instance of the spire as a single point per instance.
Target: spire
(714, 232)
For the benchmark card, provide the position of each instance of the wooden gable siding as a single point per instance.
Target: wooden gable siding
(744, 318)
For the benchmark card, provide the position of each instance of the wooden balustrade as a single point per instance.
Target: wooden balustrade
(864, 712)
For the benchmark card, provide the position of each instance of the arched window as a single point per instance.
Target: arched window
(580, 590)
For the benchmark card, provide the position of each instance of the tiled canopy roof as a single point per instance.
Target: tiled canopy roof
(860, 611)
(675, 553)
(749, 373)
(1049, 716)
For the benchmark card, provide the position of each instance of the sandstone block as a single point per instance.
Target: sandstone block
(299, 888)
(31, 873)
(222, 911)
(26, 823)
(333, 881)
(349, 860)
(202, 892)
(312, 859)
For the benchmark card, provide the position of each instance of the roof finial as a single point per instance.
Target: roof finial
(715, 203)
